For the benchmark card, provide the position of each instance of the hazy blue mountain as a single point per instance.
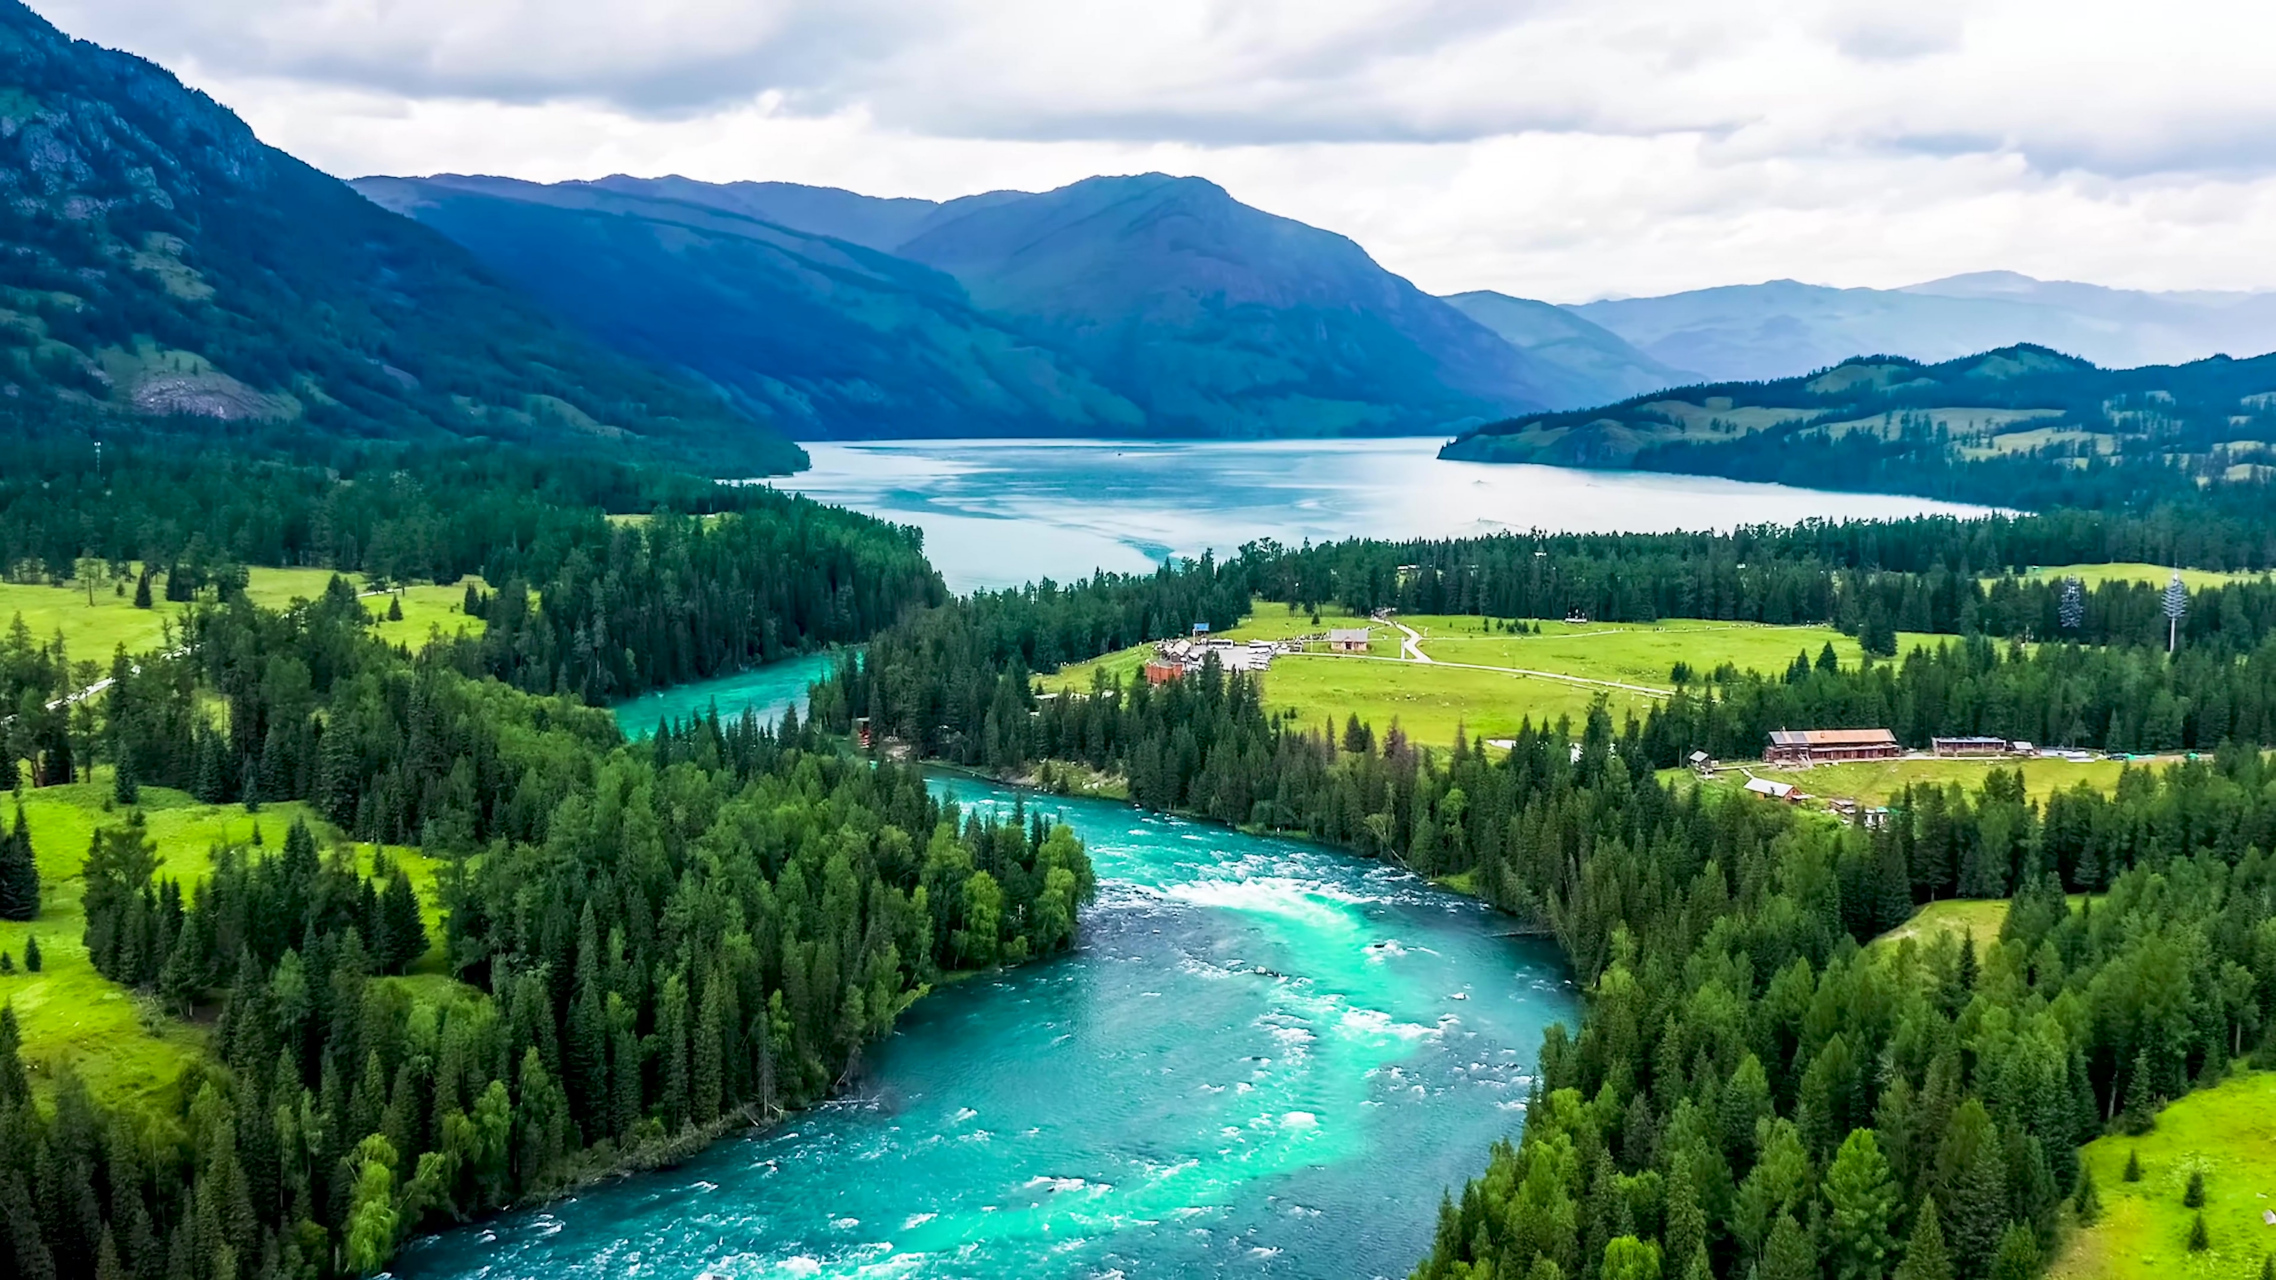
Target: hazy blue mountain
(824, 337)
(160, 261)
(1220, 319)
(1597, 365)
(1783, 328)
(1142, 305)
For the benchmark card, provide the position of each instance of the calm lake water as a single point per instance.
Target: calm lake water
(1265, 1060)
(998, 513)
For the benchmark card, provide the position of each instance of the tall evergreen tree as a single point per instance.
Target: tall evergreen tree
(19, 872)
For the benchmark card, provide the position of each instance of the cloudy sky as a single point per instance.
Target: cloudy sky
(1565, 149)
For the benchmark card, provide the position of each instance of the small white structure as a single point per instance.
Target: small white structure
(1771, 789)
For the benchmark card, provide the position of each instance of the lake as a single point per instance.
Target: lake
(1266, 1059)
(997, 513)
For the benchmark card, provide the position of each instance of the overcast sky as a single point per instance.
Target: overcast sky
(1565, 149)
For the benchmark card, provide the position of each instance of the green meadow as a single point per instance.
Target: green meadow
(2228, 1133)
(120, 1042)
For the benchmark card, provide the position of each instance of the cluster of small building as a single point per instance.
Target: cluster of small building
(1174, 659)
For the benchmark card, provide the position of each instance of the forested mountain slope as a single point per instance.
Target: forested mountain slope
(1222, 319)
(1141, 306)
(2021, 426)
(156, 259)
(823, 337)
(1596, 363)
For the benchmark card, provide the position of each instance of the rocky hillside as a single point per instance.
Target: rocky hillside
(157, 260)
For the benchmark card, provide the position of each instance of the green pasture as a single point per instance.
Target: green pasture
(1430, 701)
(1639, 653)
(1872, 782)
(2228, 1133)
(2156, 575)
(121, 1043)
(428, 609)
(1983, 917)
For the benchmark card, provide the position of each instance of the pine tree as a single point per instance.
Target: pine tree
(125, 789)
(2133, 1166)
(2199, 1239)
(1925, 1256)
(32, 960)
(1788, 1254)
(395, 608)
(19, 872)
(2018, 1256)
(2086, 1204)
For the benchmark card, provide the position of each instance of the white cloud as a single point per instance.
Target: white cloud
(1560, 148)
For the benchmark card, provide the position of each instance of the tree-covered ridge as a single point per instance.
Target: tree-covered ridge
(156, 259)
(2018, 427)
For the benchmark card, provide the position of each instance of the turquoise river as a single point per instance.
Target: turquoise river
(1265, 1059)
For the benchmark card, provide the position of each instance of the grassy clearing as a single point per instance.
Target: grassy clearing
(2228, 1132)
(91, 632)
(1431, 701)
(1874, 781)
(1984, 917)
(2156, 575)
(429, 609)
(125, 1048)
(1638, 653)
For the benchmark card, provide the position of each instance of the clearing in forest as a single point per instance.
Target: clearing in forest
(2227, 1133)
(128, 1049)
(1476, 677)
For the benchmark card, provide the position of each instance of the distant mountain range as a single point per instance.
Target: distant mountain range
(1145, 305)
(158, 261)
(1783, 328)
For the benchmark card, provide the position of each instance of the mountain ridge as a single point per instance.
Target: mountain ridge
(162, 263)
(1143, 304)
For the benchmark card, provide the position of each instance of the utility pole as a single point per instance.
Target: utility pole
(2176, 605)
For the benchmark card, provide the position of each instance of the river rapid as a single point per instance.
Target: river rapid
(1265, 1059)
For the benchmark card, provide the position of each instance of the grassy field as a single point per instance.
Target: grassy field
(1956, 916)
(428, 609)
(126, 1049)
(91, 632)
(2094, 575)
(1874, 781)
(2228, 1132)
(1431, 701)
(1638, 653)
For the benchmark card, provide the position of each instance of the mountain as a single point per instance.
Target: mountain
(1599, 365)
(1783, 327)
(823, 337)
(1144, 306)
(2018, 426)
(158, 261)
